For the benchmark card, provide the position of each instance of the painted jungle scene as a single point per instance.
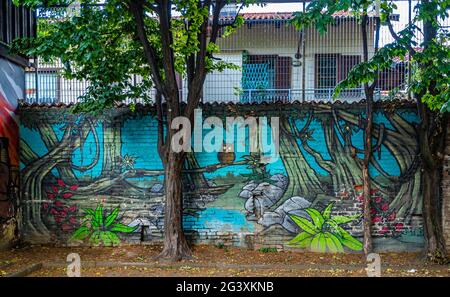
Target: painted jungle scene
(80, 172)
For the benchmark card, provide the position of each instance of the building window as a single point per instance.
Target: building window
(266, 78)
(330, 70)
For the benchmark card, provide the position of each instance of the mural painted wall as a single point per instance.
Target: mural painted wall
(99, 180)
(12, 81)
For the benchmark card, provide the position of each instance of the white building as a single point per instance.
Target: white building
(276, 62)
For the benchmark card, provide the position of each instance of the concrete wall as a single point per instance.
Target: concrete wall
(72, 163)
(12, 80)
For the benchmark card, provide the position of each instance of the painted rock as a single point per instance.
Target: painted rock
(270, 218)
(250, 186)
(268, 192)
(157, 188)
(253, 206)
(293, 203)
(246, 194)
(280, 180)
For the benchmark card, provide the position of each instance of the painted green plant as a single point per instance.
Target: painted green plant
(258, 168)
(324, 232)
(97, 227)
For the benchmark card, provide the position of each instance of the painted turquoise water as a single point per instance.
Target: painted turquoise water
(218, 220)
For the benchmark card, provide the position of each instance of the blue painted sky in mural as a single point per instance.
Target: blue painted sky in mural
(219, 220)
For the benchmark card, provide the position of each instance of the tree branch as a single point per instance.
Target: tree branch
(136, 8)
(396, 37)
(171, 93)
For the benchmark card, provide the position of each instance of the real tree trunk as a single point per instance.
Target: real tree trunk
(435, 242)
(369, 91)
(432, 134)
(367, 222)
(175, 244)
(432, 147)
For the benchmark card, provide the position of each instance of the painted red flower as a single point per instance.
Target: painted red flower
(66, 228)
(60, 182)
(53, 211)
(376, 219)
(384, 230)
(67, 195)
(399, 227)
(385, 207)
(63, 214)
(359, 187)
(50, 196)
(58, 219)
(378, 199)
(73, 188)
(45, 205)
(58, 203)
(55, 189)
(72, 220)
(73, 208)
(373, 211)
(392, 216)
(373, 191)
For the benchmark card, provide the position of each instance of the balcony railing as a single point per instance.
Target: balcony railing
(290, 95)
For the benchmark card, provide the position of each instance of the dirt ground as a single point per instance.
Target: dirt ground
(209, 261)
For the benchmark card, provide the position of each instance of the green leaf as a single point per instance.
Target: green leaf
(344, 237)
(95, 238)
(316, 216)
(349, 241)
(104, 236)
(111, 217)
(304, 224)
(89, 212)
(302, 240)
(318, 243)
(99, 215)
(352, 243)
(327, 212)
(345, 219)
(333, 243)
(81, 233)
(114, 238)
(123, 228)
